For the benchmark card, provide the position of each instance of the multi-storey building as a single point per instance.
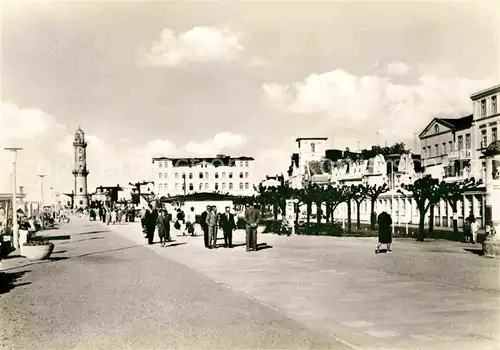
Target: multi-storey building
(222, 174)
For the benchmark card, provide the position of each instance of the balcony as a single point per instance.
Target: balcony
(465, 154)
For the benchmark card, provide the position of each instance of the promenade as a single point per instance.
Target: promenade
(106, 289)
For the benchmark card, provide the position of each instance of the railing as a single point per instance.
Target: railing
(459, 155)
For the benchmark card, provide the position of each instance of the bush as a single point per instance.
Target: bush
(35, 241)
(271, 226)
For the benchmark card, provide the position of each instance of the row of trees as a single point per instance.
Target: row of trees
(426, 192)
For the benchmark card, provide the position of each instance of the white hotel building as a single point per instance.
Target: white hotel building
(221, 174)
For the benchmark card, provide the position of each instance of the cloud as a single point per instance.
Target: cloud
(362, 104)
(219, 143)
(199, 44)
(398, 68)
(257, 61)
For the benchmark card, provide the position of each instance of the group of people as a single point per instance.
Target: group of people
(112, 215)
(209, 221)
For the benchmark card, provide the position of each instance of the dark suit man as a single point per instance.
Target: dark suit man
(150, 222)
(227, 225)
(252, 219)
(204, 226)
(212, 219)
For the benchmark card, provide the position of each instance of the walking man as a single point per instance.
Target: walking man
(150, 221)
(204, 226)
(474, 227)
(384, 231)
(212, 227)
(163, 224)
(252, 222)
(228, 225)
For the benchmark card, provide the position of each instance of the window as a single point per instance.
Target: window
(483, 108)
(246, 175)
(191, 187)
(436, 128)
(460, 142)
(165, 187)
(246, 164)
(223, 175)
(201, 176)
(313, 148)
(444, 148)
(230, 185)
(429, 150)
(423, 151)
(436, 149)
(467, 142)
(484, 138)
(160, 164)
(216, 175)
(160, 176)
(223, 185)
(176, 175)
(450, 146)
(246, 185)
(206, 175)
(176, 186)
(81, 190)
(201, 187)
(493, 105)
(166, 164)
(80, 159)
(241, 164)
(241, 175)
(206, 186)
(190, 175)
(493, 134)
(241, 185)
(81, 202)
(160, 187)
(183, 175)
(165, 176)
(230, 175)
(216, 186)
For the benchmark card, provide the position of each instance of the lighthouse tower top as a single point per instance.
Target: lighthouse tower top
(79, 138)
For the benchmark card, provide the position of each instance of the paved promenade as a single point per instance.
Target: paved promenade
(298, 292)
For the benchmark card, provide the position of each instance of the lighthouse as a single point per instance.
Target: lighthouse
(80, 171)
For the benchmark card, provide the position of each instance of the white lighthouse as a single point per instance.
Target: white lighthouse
(80, 171)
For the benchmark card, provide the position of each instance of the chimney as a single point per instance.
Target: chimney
(21, 189)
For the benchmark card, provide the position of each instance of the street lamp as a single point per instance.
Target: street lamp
(15, 228)
(41, 200)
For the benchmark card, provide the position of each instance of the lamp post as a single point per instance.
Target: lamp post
(15, 228)
(41, 201)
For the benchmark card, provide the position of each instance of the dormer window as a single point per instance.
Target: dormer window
(313, 148)
(436, 128)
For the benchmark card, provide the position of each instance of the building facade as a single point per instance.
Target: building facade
(221, 174)
(80, 170)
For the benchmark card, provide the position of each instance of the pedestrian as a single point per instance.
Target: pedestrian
(108, 216)
(143, 219)
(227, 224)
(190, 221)
(474, 227)
(252, 219)
(150, 222)
(163, 225)
(212, 227)
(384, 221)
(467, 227)
(181, 221)
(113, 216)
(101, 214)
(204, 226)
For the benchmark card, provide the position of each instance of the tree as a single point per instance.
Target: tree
(453, 192)
(426, 192)
(333, 197)
(373, 192)
(307, 196)
(348, 194)
(359, 194)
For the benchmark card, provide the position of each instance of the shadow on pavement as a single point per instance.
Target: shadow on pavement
(175, 244)
(239, 245)
(8, 280)
(60, 252)
(92, 232)
(54, 238)
(80, 240)
(475, 251)
(262, 246)
(58, 258)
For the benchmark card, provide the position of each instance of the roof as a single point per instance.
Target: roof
(216, 161)
(456, 124)
(485, 92)
(311, 138)
(459, 123)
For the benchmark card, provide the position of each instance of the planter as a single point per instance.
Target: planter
(37, 252)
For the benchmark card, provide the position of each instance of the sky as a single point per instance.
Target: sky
(180, 79)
